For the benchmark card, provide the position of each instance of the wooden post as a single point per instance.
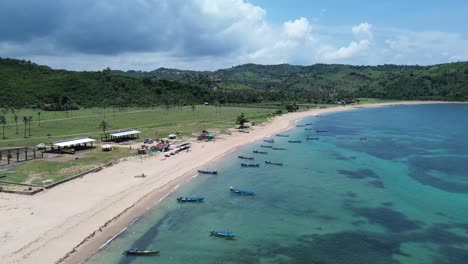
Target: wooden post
(34, 153)
(0, 155)
(26, 153)
(17, 155)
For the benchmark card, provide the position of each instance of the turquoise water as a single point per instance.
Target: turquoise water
(382, 185)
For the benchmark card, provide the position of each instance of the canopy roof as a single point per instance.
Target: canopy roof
(72, 142)
(125, 133)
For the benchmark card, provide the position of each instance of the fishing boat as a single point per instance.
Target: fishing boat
(141, 252)
(260, 152)
(269, 140)
(309, 124)
(250, 165)
(195, 199)
(300, 125)
(246, 158)
(312, 138)
(263, 146)
(308, 129)
(225, 234)
(279, 148)
(363, 138)
(241, 192)
(294, 141)
(281, 135)
(274, 163)
(321, 131)
(208, 171)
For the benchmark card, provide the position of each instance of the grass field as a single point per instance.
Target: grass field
(153, 122)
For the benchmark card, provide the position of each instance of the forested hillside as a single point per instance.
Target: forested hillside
(25, 84)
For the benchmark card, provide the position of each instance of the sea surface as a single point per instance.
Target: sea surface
(380, 185)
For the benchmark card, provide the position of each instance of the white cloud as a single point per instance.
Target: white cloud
(298, 28)
(363, 31)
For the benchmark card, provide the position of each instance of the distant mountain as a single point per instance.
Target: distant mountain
(25, 84)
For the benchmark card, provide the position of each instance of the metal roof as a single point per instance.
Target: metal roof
(125, 133)
(72, 142)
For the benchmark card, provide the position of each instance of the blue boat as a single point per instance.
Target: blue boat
(294, 141)
(250, 165)
(241, 192)
(312, 138)
(264, 146)
(274, 163)
(195, 199)
(269, 140)
(225, 234)
(259, 152)
(321, 131)
(207, 172)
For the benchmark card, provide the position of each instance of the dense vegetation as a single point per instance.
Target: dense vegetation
(25, 84)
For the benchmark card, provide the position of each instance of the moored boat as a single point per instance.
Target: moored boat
(269, 140)
(260, 152)
(300, 125)
(312, 138)
(195, 199)
(241, 192)
(321, 131)
(279, 149)
(246, 158)
(309, 128)
(225, 234)
(250, 165)
(263, 146)
(294, 141)
(208, 171)
(281, 135)
(274, 163)
(137, 252)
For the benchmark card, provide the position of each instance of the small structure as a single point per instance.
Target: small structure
(72, 145)
(206, 135)
(161, 146)
(124, 135)
(172, 136)
(106, 147)
(13, 155)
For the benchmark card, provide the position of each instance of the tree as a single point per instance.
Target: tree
(25, 120)
(194, 108)
(241, 120)
(39, 115)
(16, 122)
(29, 122)
(104, 126)
(3, 122)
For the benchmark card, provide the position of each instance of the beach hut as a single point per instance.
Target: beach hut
(163, 147)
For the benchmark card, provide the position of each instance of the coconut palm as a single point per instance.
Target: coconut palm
(104, 126)
(16, 122)
(25, 120)
(29, 122)
(3, 122)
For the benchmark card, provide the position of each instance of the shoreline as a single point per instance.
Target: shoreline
(69, 224)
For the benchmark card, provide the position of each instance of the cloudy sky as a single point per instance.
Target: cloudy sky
(213, 34)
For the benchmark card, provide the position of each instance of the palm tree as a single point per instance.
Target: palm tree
(16, 122)
(39, 115)
(29, 121)
(25, 120)
(104, 126)
(3, 122)
(241, 120)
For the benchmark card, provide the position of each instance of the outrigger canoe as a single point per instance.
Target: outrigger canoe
(321, 131)
(195, 199)
(269, 140)
(250, 165)
(137, 252)
(246, 158)
(225, 234)
(294, 141)
(300, 125)
(280, 135)
(263, 146)
(312, 138)
(241, 192)
(279, 148)
(274, 163)
(260, 152)
(309, 128)
(207, 172)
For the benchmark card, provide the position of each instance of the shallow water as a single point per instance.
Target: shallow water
(382, 185)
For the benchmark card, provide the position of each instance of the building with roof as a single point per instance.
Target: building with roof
(124, 135)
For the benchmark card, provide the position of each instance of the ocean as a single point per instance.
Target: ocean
(371, 185)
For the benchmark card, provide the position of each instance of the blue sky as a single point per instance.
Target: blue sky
(213, 34)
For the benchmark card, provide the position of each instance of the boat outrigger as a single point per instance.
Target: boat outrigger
(250, 165)
(137, 252)
(207, 172)
(241, 192)
(260, 152)
(225, 234)
(274, 163)
(281, 135)
(246, 158)
(294, 141)
(195, 199)
(263, 146)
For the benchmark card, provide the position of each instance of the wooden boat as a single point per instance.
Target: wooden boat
(225, 234)
(300, 125)
(312, 138)
(263, 146)
(246, 158)
(241, 192)
(294, 141)
(274, 163)
(279, 148)
(308, 129)
(321, 131)
(281, 135)
(195, 199)
(363, 138)
(309, 124)
(250, 165)
(207, 172)
(137, 252)
(269, 140)
(260, 152)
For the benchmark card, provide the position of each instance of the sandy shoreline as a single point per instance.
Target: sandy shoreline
(70, 222)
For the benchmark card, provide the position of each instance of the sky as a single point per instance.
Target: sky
(214, 34)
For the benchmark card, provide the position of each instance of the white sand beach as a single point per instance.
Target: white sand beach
(46, 227)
